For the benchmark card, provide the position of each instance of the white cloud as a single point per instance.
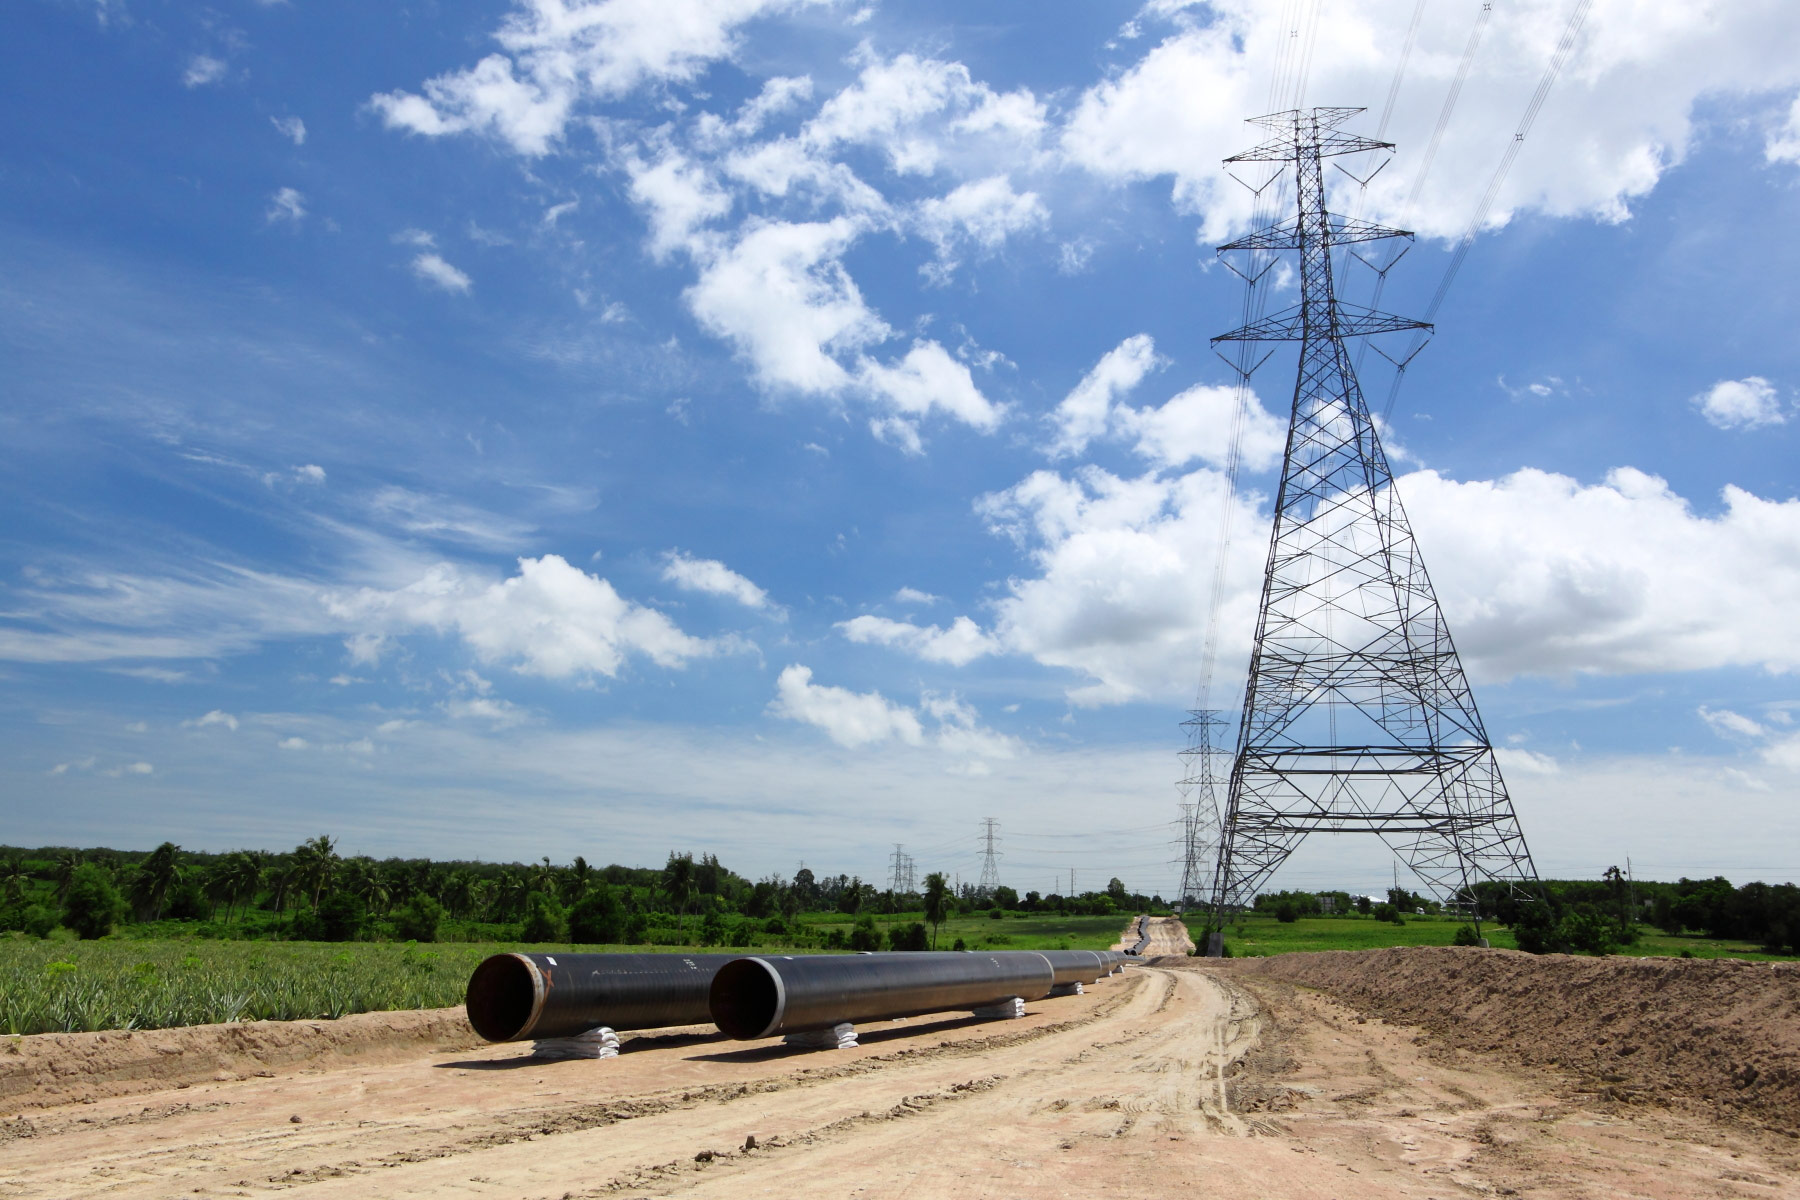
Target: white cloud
(863, 719)
(910, 595)
(551, 619)
(1123, 569)
(139, 768)
(680, 196)
(501, 714)
(1083, 414)
(713, 577)
(1199, 424)
(310, 473)
(983, 213)
(1783, 144)
(203, 69)
(929, 380)
(286, 205)
(216, 717)
(291, 128)
(1730, 724)
(1747, 403)
(783, 298)
(1620, 115)
(1516, 761)
(1538, 575)
(559, 53)
(849, 718)
(434, 270)
(294, 743)
(962, 643)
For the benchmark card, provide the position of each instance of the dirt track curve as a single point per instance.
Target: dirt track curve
(1170, 1078)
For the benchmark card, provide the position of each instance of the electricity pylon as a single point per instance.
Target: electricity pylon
(1200, 814)
(1357, 716)
(990, 859)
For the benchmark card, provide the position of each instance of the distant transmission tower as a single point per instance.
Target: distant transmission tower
(990, 859)
(1357, 716)
(897, 870)
(1200, 815)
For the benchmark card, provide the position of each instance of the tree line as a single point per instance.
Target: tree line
(314, 893)
(1590, 916)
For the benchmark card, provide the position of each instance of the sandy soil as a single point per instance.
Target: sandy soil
(1172, 1077)
(1167, 936)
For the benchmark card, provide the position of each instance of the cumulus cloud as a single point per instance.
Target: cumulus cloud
(432, 268)
(1083, 414)
(559, 53)
(781, 296)
(291, 128)
(912, 595)
(1199, 425)
(1621, 113)
(982, 214)
(713, 577)
(551, 619)
(962, 643)
(848, 718)
(1538, 575)
(858, 719)
(1748, 403)
(286, 205)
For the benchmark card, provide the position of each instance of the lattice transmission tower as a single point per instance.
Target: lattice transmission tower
(1200, 813)
(1357, 716)
(990, 858)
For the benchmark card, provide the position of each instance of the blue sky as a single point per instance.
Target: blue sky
(785, 429)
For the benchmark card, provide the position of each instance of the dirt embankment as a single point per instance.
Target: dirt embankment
(1720, 1032)
(66, 1068)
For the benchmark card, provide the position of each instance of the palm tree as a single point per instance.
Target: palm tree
(244, 874)
(157, 876)
(678, 879)
(365, 881)
(316, 861)
(580, 879)
(937, 902)
(66, 862)
(15, 877)
(544, 878)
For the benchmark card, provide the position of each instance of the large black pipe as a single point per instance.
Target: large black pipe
(1070, 966)
(514, 997)
(762, 997)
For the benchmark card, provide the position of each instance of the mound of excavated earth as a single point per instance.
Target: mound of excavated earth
(1721, 1032)
(68, 1068)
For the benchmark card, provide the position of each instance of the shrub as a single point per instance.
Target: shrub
(912, 937)
(417, 920)
(598, 917)
(1286, 913)
(1465, 936)
(712, 929)
(864, 935)
(92, 905)
(339, 918)
(995, 914)
(1387, 912)
(544, 921)
(960, 945)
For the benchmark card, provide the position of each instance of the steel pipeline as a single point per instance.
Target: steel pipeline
(515, 997)
(765, 996)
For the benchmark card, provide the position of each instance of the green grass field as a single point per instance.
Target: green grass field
(1014, 931)
(68, 986)
(58, 985)
(1266, 935)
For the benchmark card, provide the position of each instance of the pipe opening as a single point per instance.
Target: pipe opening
(745, 999)
(502, 997)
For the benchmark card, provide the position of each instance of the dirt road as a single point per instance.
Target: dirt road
(1166, 1079)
